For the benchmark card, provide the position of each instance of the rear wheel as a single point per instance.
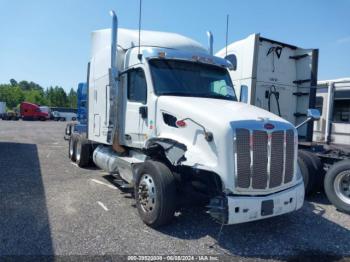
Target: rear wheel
(337, 185)
(82, 152)
(72, 146)
(155, 193)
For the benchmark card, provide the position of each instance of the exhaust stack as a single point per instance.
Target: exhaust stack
(210, 42)
(115, 96)
(114, 51)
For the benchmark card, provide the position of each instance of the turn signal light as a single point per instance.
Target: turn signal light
(180, 123)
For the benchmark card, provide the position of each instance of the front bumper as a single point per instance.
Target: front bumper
(240, 209)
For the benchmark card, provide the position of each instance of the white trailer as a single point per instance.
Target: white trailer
(275, 76)
(64, 116)
(164, 119)
(282, 79)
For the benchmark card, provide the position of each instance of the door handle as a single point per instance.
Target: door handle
(143, 111)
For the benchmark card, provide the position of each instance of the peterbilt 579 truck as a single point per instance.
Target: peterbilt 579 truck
(163, 116)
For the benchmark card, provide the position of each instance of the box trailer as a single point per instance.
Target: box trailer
(282, 78)
(163, 118)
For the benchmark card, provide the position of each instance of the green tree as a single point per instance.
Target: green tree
(56, 96)
(72, 98)
(35, 96)
(12, 95)
(13, 82)
(17, 92)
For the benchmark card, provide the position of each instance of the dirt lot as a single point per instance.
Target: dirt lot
(49, 206)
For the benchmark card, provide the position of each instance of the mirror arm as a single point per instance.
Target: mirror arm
(304, 122)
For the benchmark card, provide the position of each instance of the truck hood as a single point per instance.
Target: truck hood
(217, 111)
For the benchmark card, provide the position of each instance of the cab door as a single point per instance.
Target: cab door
(136, 110)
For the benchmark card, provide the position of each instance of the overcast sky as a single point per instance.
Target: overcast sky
(48, 41)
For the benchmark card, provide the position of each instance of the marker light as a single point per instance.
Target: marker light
(180, 123)
(161, 54)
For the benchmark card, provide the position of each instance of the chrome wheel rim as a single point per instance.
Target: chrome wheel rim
(342, 186)
(71, 148)
(147, 193)
(78, 151)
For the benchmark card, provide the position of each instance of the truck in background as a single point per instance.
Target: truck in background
(2, 109)
(30, 111)
(282, 79)
(11, 115)
(80, 126)
(332, 139)
(63, 116)
(82, 103)
(163, 118)
(333, 101)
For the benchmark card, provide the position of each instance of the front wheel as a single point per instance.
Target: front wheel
(337, 185)
(155, 193)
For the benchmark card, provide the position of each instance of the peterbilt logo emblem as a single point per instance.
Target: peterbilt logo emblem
(269, 126)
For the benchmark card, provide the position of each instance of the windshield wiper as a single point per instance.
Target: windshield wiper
(217, 96)
(214, 96)
(175, 94)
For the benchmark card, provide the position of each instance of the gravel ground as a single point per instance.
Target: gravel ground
(49, 206)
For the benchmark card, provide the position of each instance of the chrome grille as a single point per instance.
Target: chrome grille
(277, 158)
(243, 157)
(289, 156)
(263, 159)
(259, 174)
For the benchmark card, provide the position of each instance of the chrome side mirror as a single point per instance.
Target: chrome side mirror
(312, 114)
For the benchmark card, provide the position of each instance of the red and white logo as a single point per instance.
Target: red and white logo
(269, 126)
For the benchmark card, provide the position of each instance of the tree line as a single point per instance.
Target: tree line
(15, 93)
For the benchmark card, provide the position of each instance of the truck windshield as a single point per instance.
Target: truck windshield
(183, 78)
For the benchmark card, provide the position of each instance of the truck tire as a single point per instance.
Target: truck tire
(72, 146)
(307, 172)
(155, 193)
(337, 185)
(313, 178)
(82, 152)
(304, 172)
(317, 169)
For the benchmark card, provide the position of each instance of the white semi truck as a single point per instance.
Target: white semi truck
(163, 117)
(282, 79)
